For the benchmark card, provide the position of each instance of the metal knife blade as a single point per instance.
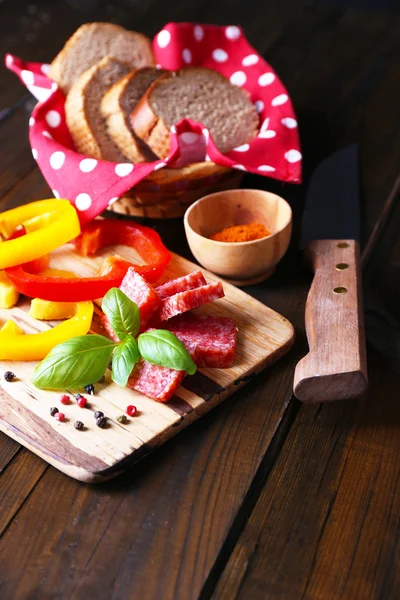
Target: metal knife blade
(332, 208)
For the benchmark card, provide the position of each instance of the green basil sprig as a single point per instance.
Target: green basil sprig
(122, 313)
(125, 357)
(74, 363)
(161, 347)
(84, 359)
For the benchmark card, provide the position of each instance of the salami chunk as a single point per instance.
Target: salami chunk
(159, 383)
(184, 301)
(211, 341)
(141, 292)
(107, 326)
(182, 284)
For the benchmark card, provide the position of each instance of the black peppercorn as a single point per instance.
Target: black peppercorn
(53, 410)
(122, 419)
(9, 376)
(101, 422)
(89, 389)
(98, 414)
(78, 425)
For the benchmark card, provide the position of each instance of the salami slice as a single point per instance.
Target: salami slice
(182, 284)
(159, 383)
(141, 292)
(184, 301)
(107, 326)
(211, 341)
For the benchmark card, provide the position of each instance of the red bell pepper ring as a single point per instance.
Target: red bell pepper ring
(97, 234)
(144, 240)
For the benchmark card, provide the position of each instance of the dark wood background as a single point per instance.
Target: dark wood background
(263, 498)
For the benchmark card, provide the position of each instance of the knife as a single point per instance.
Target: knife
(335, 367)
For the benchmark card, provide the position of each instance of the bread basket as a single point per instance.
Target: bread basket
(165, 188)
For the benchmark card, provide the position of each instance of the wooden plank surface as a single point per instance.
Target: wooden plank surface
(98, 454)
(169, 530)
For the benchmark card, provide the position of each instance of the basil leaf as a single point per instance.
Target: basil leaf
(125, 357)
(122, 312)
(74, 363)
(161, 347)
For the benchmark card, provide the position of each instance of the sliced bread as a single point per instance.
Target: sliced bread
(116, 106)
(199, 94)
(82, 110)
(92, 42)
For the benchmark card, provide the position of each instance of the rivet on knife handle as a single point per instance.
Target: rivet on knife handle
(335, 367)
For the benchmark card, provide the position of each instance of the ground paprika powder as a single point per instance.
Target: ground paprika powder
(241, 233)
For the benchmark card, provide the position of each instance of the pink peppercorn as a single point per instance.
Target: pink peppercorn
(65, 399)
(59, 416)
(131, 410)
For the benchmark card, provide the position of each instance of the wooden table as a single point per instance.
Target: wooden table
(263, 498)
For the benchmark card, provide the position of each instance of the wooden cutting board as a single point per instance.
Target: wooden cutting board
(96, 454)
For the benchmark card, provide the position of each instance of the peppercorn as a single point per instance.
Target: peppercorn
(101, 422)
(89, 389)
(65, 399)
(8, 376)
(59, 416)
(79, 425)
(81, 401)
(122, 419)
(98, 414)
(131, 410)
(102, 379)
(53, 410)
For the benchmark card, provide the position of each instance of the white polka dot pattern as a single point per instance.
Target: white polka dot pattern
(279, 100)
(198, 33)
(266, 79)
(163, 38)
(83, 201)
(220, 55)
(57, 160)
(238, 78)
(53, 118)
(87, 165)
(250, 60)
(289, 122)
(293, 156)
(187, 56)
(232, 32)
(124, 169)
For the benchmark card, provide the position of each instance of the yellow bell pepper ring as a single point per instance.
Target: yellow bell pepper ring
(50, 224)
(36, 346)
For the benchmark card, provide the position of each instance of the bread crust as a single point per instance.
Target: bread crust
(76, 117)
(118, 128)
(151, 128)
(57, 70)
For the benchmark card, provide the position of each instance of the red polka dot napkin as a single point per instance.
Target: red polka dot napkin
(92, 185)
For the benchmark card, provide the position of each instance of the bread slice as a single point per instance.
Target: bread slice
(92, 42)
(199, 94)
(116, 106)
(82, 110)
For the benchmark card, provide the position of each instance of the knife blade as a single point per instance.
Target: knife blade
(335, 367)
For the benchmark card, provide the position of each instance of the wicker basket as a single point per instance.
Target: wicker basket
(167, 193)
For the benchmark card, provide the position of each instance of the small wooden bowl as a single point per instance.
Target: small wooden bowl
(241, 263)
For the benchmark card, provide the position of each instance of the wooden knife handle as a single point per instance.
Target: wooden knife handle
(335, 367)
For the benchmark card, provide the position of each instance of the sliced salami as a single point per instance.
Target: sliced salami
(182, 284)
(159, 383)
(141, 292)
(107, 326)
(184, 301)
(211, 341)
